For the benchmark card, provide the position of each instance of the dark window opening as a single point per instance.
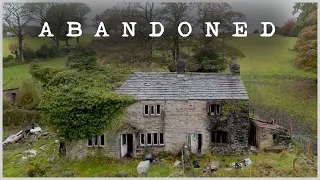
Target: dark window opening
(155, 138)
(149, 139)
(158, 109)
(90, 143)
(161, 138)
(96, 140)
(215, 109)
(152, 110)
(102, 140)
(146, 109)
(219, 137)
(13, 97)
(142, 142)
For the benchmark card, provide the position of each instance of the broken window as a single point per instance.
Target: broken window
(142, 140)
(90, 142)
(152, 110)
(219, 137)
(155, 139)
(158, 109)
(215, 109)
(149, 139)
(146, 109)
(102, 142)
(161, 142)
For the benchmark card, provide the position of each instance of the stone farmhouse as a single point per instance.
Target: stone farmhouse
(207, 112)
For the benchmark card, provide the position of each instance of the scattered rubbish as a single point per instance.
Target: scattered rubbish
(31, 153)
(56, 141)
(35, 130)
(148, 157)
(196, 164)
(247, 162)
(143, 167)
(24, 158)
(42, 148)
(13, 138)
(51, 159)
(214, 165)
(176, 164)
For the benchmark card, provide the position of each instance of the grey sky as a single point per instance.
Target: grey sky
(256, 11)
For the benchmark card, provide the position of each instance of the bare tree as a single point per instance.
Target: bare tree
(15, 16)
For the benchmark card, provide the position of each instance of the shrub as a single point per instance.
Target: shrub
(82, 57)
(10, 57)
(29, 95)
(34, 169)
(15, 116)
(46, 52)
(28, 53)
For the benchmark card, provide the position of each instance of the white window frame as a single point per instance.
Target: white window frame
(162, 139)
(145, 139)
(158, 113)
(154, 110)
(91, 142)
(148, 139)
(104, 140)
(215, 109)
(155, 143)
(144, 110)
(95, 141)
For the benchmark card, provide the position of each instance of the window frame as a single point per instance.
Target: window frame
(218, 137)
(213, 110)
(152, 108)
(161, 144)
(104, 140)
(158, 113)
(144, 135)
(149, 144)
(153, 139)
(88, 140)
(144, 110)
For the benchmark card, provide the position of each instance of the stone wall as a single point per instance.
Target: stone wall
(234, 120)
(177, 121)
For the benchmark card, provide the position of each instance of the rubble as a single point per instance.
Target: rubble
(31, 153)
(176, 164)
(143, 167)
(214, 165)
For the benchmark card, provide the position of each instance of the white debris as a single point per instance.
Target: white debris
(13, 138)
(23, 158)
(214, 165)
(176, 164)
(31, 153)
(35, 130)
(247, 162)
(56, 141)
(143, 167)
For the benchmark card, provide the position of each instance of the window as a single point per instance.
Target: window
(149, 139)
(95, 140)
(124, 139)
(158, 109)
(152, 110)
(142, 140)
(146, 109)
(90, 142)
(219, 137)
(155, 139)
(102, 142)
(161, 142)
(13, 97)
(215, 109)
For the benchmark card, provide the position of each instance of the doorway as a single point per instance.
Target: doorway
(195, 142)
(199, 143)
(127, 145)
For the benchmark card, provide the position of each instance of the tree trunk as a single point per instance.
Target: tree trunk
(20, 49)
(57, 42)
(78, 40)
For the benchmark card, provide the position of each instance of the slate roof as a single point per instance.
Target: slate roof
(190, 86)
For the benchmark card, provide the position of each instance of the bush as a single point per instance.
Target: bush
(82, 57)
(46, 52)
(28, 53)
(10, 57)
(12, 63)
(34, 169)
(15, 116)
(29, 95)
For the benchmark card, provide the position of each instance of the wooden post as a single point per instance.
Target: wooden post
(182, 161)
(250, 170)
(309, 146)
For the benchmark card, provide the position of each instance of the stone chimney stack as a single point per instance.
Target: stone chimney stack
(181, 66)
(234, 68)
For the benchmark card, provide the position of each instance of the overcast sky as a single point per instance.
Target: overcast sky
(256, 11)
(275, 11)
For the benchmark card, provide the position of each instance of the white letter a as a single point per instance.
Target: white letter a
(46, 29)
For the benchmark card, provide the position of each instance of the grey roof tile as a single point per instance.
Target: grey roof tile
(192, 86)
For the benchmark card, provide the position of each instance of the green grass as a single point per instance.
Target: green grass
(15, 75)
(14, 166)
(36, 42)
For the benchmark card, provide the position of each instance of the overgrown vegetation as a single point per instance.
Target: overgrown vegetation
(79, 102)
